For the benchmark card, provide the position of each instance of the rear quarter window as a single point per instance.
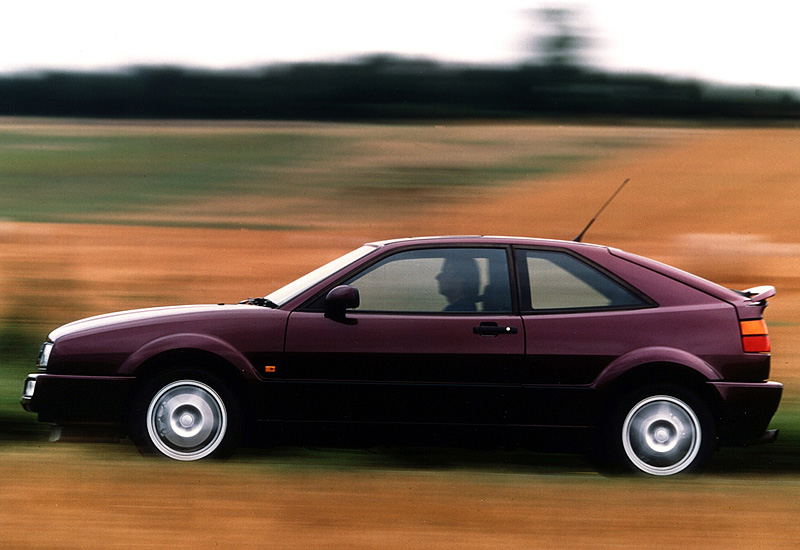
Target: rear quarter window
(553, 280)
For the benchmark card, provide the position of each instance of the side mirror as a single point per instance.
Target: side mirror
(339, 300)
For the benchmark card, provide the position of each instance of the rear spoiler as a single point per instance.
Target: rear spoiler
(754, 301)
(758, 294)
(755, 297)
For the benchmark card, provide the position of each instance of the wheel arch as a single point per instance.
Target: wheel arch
(203, 355)
(662, 366)
(208, 349)
(646, 357)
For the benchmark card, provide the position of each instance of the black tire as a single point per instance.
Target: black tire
(659, 431)
(186, 415)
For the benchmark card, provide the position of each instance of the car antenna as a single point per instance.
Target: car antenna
(585, 229)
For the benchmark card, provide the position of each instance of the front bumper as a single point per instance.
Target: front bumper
(746, 411)
(64, 399)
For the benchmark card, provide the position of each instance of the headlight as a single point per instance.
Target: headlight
(44, 355)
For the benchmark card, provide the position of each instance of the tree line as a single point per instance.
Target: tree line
(385, 88)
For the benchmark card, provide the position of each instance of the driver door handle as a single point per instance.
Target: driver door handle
(492, 329)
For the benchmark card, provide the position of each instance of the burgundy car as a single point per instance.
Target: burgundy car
(651, 366)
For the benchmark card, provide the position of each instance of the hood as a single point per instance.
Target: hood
(137, 317)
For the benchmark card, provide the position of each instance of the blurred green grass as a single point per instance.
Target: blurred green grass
(209, 175)
(94, 177)
(19, 346)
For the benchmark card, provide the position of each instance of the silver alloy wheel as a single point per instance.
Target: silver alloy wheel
(186, 420)
(661, 435)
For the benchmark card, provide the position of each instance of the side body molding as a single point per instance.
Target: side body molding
(201, 342)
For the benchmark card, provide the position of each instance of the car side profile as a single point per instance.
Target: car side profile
(652, 367)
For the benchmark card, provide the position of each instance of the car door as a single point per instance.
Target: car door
(577, 318)
(434, 340)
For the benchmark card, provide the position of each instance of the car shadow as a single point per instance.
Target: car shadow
(430, 451)
(729, 461)
(438, 451)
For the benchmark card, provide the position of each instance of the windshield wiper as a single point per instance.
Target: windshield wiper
(263, 302)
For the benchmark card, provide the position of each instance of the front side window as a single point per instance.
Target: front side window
(560, 281)
(449, 280)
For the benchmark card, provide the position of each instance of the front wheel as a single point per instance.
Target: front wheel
(661, 432)
(187, 418)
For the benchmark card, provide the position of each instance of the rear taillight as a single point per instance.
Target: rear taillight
(755, 336)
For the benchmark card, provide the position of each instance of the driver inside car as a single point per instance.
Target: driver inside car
(459, 283)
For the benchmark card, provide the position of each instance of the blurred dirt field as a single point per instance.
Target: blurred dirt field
(722, 203)
(66, 497)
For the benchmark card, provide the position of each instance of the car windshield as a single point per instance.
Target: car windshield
(295, 288)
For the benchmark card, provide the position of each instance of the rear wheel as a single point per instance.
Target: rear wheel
(660, 431)
(186, 416)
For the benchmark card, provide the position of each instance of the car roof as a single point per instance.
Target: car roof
(481, 240)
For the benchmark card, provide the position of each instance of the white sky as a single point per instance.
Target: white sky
(727, 41)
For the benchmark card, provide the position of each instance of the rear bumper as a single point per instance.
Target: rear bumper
(64, 399)
(746, 411)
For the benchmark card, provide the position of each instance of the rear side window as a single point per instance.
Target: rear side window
(559, 281)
